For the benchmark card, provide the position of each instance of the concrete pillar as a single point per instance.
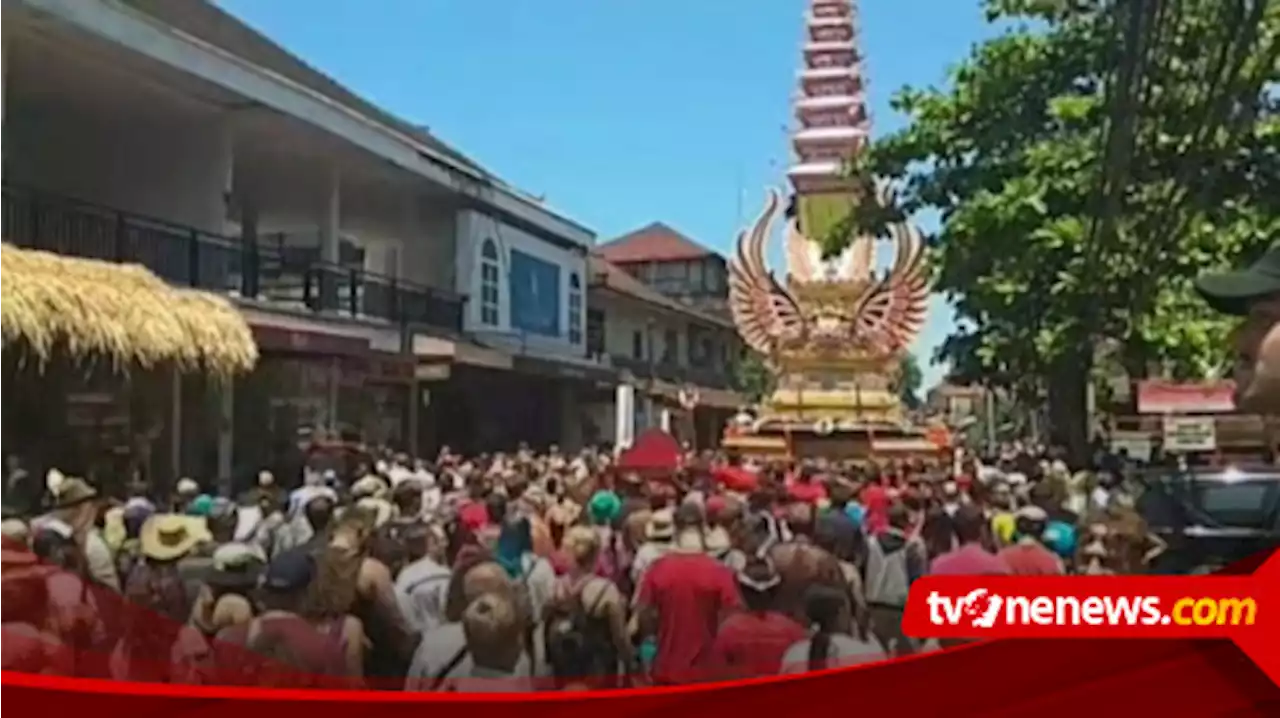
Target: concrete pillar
(335, 378)
(570, 418)
(4, 105)
(226, 136)
(226, 433)
(331, 217)
(175, 419)
(415, 411)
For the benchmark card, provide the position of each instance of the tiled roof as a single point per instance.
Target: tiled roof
(653, 243)
(616, 279)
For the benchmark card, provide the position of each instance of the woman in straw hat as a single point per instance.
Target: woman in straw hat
(160, 606)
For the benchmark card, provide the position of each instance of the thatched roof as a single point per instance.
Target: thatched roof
(124, 312)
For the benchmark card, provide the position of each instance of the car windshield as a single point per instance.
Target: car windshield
(1217, 499)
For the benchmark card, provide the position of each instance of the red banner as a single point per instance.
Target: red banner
(1166, 397)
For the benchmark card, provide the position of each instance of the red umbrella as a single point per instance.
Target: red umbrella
(653, 451)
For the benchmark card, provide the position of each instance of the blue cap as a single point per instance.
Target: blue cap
(290, 571)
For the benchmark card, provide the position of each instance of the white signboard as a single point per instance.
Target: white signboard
(1185, 434)
(1136, 444)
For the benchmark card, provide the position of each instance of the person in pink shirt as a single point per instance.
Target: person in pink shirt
(971, 557)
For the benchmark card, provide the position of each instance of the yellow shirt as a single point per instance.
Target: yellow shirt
(1004, 526)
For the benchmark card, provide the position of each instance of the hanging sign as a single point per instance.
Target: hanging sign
(1187, 434)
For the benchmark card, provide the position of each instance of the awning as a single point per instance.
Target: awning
(460, 352)
(707, 397)
(565, 370)
(52, 302)
(299, 341)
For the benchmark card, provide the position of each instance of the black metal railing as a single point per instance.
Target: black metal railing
(709, 377)
(187, 257)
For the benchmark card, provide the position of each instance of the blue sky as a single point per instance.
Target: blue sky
(620, 112)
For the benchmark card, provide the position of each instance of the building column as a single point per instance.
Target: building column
(331, 217)
(175, 423)
(335, 379)
(226, 136)
(570, 418)
(4, 106)
(412, 445)
(226, 425)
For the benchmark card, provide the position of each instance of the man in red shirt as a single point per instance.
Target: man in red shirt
(805, 487)
(682, 599)
(875, 502)
(751, 643)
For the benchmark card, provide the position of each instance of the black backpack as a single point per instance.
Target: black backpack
(573, 626)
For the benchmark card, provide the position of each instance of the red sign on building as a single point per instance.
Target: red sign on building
(1166, 397)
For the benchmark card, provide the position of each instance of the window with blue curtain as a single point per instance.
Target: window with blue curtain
(534, 295)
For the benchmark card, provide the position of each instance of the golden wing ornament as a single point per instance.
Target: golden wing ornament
(893, 312)
(765, 312)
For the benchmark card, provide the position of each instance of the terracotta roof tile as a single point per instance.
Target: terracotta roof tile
(653, 243)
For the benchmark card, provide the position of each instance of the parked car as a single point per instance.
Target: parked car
(1211, 517)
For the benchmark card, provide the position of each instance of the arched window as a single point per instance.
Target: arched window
(489, 283)
(575, 309)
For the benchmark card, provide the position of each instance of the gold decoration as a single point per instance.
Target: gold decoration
(833, 340)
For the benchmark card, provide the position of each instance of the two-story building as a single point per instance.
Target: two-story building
(355, 244)
(528, 307)
(671, 336)
(674, 265)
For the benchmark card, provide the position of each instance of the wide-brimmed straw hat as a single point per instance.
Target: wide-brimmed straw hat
(661, 526)
(166, 537)
(68, 491)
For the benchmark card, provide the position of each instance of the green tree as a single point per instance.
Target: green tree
(909, 380)
(1024, 154)
(753, 378)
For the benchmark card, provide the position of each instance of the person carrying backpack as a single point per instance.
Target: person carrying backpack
(894, 562)
(586, 632)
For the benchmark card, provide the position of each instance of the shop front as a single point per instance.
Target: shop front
(295, 400)
(102, 363)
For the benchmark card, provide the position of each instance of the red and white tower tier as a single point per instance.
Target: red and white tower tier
(831, 104)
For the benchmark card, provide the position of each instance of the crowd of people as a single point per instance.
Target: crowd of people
(524, 571)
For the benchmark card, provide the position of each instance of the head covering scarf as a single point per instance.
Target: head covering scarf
(604, 507)
(201, 505)
(515, 540)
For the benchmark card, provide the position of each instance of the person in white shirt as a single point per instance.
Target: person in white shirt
(423, 584)
(832, 643)
(443, 654)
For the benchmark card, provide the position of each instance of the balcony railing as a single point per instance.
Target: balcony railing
(187, 257)
(709, 377)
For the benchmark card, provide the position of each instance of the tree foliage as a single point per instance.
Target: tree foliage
(753, 378)
(1012, 153)
(908, 382)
